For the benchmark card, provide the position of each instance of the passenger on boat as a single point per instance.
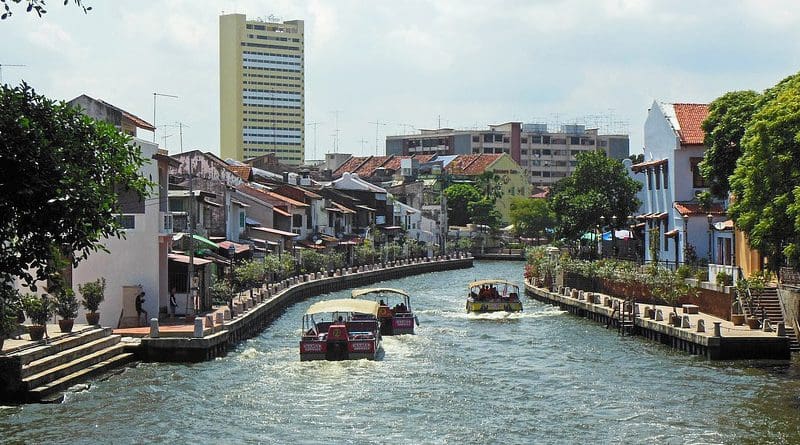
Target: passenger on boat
(402, 307)
(382, 303)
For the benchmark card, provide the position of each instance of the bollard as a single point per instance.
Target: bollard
(685, 322)
(226, 314)
(209, 321)
(154, 328)
(701, 325)
(220, 318)
(717, 329)
(659, 315)
(198, 327)
(781, 329)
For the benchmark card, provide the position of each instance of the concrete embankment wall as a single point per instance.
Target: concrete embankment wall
(728, 347)
(272, 300)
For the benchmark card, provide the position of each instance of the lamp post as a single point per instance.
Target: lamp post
(614, 252)
(602, 228)
(685, 236)
(232, 255)
(710, 218)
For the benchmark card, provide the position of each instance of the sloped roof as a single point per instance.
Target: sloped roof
(690, 118)
(647, 164)
(694, 208)
(471, 165)
(242, 171)
(351, 165)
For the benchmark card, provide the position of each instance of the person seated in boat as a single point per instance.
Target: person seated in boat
(382, 303)
(513, 296)
(340, 320)
(402, 307)
(483, 293)
(494, 294)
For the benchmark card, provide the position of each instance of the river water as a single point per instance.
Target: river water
(542, 376)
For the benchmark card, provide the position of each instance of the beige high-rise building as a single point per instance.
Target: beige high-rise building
(261, 88)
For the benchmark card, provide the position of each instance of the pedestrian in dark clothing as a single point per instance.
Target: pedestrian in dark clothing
(139, 309)
(173, 304)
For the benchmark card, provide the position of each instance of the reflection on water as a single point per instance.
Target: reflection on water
(540, 376)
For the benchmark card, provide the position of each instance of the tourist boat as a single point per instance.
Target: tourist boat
(493, 296)
(344, 329)
(394, 312)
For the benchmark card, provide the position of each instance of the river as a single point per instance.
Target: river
(542, 376)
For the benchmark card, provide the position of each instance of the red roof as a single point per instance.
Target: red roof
(351, 165)
(242, 171)
(690, 117)
(368, 167)
(693, 208)
(471, 165)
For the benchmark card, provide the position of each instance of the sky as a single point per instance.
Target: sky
(412, 65)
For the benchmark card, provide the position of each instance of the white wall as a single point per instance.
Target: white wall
(132, 261)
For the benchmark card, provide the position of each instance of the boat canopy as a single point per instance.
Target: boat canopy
(377, 290)
(344, 305)
(491, 282)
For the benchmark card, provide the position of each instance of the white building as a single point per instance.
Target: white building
(671, 181)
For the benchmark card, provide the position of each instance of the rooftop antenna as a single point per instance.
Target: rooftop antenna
(179, 126)
(154, 110)
(6, 64)
(377, 124)
(314, 124)
(363, 145)
(336, 132)
(407, 126)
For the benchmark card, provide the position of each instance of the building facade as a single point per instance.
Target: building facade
(545, 156)
(262, 88)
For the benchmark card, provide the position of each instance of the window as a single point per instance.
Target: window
(658, 179)
(574, 152)
(498, 138)
(488, 137)
(603, 143)
(476, 138)
(574, 140)
(242, 219)
(546, 152)
(126, 221)
(649, 179)
(524, 140)
(545, 139)
(536, 139)
(524, 151)
(665, 172)
(505, 140)
(697, 179)
(559, 141)
(297, 221)
(536, 152)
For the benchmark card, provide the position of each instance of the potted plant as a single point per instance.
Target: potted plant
(38, 309)
(66, 308)
(93, 293)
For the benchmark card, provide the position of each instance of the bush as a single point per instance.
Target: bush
(701, 274)
(683, 271)
(724, 279)
(66, 304)
(92, 294)
(38, 308)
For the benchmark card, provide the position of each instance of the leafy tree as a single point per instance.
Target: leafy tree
(312, 261)
(765, 181)
(728, 116)
(531, 216)
(36, 6)
(637, 158)
(59, 176)
(483, 212)
(489, 185)
(458, 197)
(599, 186)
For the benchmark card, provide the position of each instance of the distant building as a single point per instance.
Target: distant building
(262, 93)
(545, 156)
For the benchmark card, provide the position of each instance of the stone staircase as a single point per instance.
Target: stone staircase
(768, 304)
(42, 372)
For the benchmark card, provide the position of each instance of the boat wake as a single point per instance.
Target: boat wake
(501, 315)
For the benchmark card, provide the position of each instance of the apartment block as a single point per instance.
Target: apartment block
(546, 156)
(262, 88)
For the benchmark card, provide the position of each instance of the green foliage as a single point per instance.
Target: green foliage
(249, 274)
(484, 213)
(724, 279)
(531, 216)
(728, 117)
(599, 186)
(701, 274)
(92, 294)
(464, 244)
(221, 291)
(38, 308)
(666, 285)
(60, 171)
(364, 254)
(654, 243)
(683, 271)
(458, 198)
(36, 6)
(489, 185)
(10, 303)
(66, 304)
(312, 261)
(766, 181)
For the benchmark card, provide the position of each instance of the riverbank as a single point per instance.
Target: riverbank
(215, 335)
(696, 332)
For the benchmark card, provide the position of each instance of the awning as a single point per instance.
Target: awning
(310, 245)
(275, 232)
(281, 212)
(211, 203)
(239, 203)
(239, 248)
(185, 259)
(365, 208)
(344, 305)
(251, 222)
(392, 228)
(204, 241)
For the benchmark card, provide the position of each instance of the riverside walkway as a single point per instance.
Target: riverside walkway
(694, 332)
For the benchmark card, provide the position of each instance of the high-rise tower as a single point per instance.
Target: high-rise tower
(261, 88)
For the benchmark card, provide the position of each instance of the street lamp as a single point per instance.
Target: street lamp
(231, 254)
(614, 236)
(710, 218)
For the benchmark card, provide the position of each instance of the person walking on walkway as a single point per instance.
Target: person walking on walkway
(173, 304)
(139, 309)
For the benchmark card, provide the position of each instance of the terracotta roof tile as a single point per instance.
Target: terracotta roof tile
(243, 171)
(367, 168)
(690, 117)
(351, 165)
(693, 208)
(472, 165)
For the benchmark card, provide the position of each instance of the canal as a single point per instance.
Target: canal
(542, 376)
